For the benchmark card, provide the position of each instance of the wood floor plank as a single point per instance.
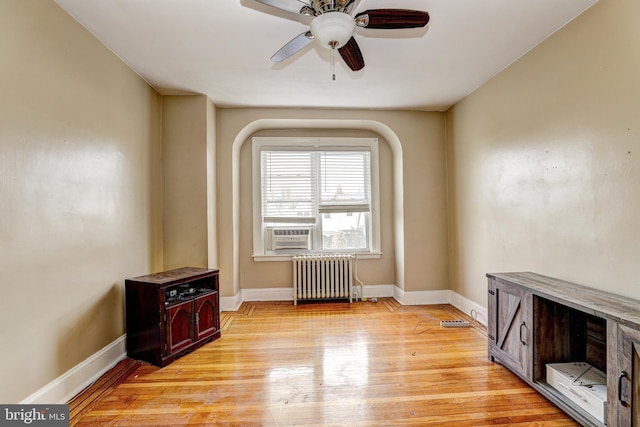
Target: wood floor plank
(92, 394)
(366, 364)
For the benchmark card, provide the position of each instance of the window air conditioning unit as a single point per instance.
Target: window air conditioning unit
(289, 238)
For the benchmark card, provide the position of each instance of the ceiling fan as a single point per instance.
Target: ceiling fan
(333, 26)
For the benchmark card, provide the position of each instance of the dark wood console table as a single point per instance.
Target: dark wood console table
(171, 313)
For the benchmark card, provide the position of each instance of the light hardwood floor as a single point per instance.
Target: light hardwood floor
(326, 364)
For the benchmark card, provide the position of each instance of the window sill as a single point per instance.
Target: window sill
(287, 257)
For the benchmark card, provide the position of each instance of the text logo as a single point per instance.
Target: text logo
(34, 415)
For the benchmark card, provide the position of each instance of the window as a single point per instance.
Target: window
(315, 195)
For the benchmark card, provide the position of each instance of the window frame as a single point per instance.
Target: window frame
(260, 144)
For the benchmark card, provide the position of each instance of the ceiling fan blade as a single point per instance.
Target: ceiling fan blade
(295, 6)
(392, 18)
(294, 46)
(352, 55)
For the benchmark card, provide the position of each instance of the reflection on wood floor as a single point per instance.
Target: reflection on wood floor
(324, 364)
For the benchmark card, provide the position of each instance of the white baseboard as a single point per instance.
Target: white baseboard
(463, 304)
(421, 297)
(286, 294)
(376, 291)
(231, 303)
(473, 309)
(76, 379)
(268, 294)
(368, 291)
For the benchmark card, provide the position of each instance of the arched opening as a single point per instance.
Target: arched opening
(269, 124)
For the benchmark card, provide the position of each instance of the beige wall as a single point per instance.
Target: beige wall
(79, 191)
(544, 161)
(421, 136)
(188, 180)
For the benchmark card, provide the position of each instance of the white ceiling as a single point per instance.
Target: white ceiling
(221, 48)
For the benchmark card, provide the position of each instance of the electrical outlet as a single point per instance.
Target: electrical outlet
(454, 323)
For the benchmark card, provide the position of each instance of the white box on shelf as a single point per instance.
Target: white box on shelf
(583, 384)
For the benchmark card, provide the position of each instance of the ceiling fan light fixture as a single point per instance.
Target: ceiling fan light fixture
(333, 29)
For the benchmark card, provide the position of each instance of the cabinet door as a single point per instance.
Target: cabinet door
(627, 387)
(207, 316)
(510, 333)
(179, 327)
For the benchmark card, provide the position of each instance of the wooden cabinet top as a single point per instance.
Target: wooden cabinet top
(593, 301)
(174, 276)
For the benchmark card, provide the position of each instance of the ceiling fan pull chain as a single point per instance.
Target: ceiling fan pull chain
(333, 64)
(332, 48)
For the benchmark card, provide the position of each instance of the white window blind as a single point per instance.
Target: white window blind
(345, 181)
(298, 185)
(287, 186)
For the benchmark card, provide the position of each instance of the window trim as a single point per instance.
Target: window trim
(340, 143)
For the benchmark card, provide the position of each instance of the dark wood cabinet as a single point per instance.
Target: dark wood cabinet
(179, 330)
(536, 322)
(171, 313)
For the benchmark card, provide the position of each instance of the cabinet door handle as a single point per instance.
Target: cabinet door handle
(623, 374)
(521, 326)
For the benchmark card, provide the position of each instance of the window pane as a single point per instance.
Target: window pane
(343, 231)
(344, 178)
(287, 184)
